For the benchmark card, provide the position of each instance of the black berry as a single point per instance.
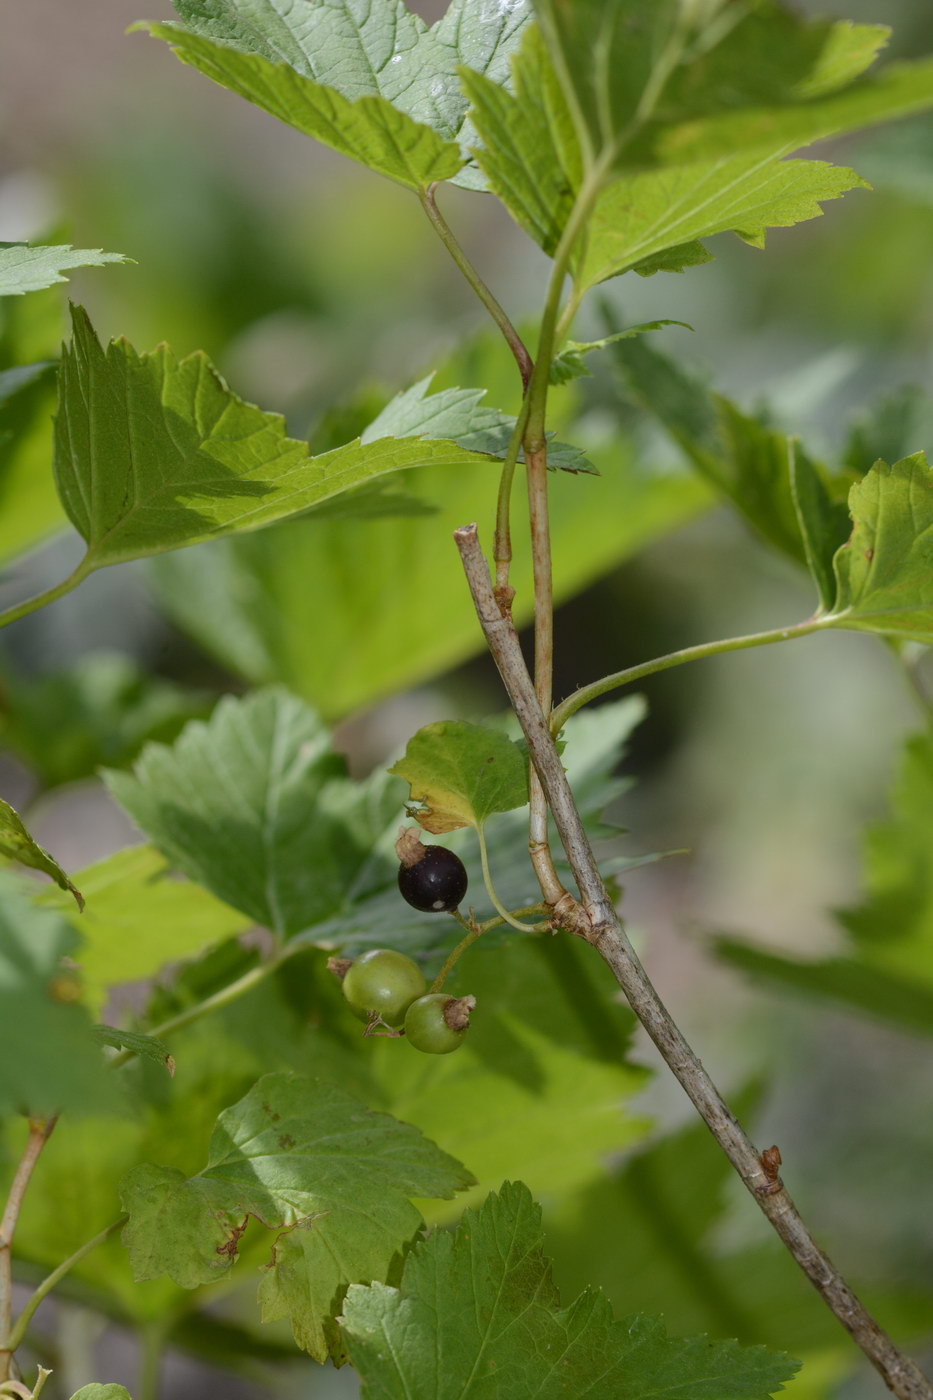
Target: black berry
(430, 878)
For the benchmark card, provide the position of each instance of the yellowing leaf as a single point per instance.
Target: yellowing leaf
(461, 773)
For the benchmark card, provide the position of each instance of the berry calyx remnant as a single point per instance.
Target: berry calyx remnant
(437, 1023)
(430, 878)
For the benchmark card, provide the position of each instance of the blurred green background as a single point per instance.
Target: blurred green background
(319, 290)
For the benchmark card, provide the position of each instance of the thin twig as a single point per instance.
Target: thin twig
(601, 926)
(494, 899)
(54, 1278)
(40, 1131)
(449, 240)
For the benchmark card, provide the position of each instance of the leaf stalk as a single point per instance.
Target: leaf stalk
(587, 693)
(496, 311)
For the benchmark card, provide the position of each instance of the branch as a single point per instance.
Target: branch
(45, 1287)
(598, 922)
(40, 1131)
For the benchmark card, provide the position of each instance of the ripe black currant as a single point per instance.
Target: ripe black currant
(430, 878)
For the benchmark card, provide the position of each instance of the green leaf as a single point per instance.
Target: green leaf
(102, 1392)
(893, 926)
(245, 600)
(850, 982)
(47, 1057)
(607, 52)
(153, 454)
(885, 571)
(569, 363)
(676, 259)
(17, 844)
(143, 1045)
(299, 1156)
(477, 1312)
(367, 128)
(897, 90)
(887, 968)
(461, 773)
(348, 76)
(529, 154)
(654, 1215)
(650, 84)
(742, 456)
(652, 214)
(824, 523)
(29, 505)
(679, 123)
(373, 915)
(139, 920)
(25, 269)
(528, 1061)
(257, 807)
(381, 48)
(458, 415)
(65, 725)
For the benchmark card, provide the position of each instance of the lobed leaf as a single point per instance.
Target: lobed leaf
(368, 129)
(459, 415)
(152, 454)
(256, 806)
(372, 81)
(747, 460)
(657, 85)
(374, 915)
(529, 154)
(139, 920)
(477, 1313)
(885, 571)
(679, 123)
(245, 600)
(300, 1156)
(652, 214)
(17, 844)
(29, 269)
(460, 774)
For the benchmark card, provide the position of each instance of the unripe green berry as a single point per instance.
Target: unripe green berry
(384, 983)
(438, 1023)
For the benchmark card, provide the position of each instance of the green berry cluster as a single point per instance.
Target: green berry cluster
(383, 987)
